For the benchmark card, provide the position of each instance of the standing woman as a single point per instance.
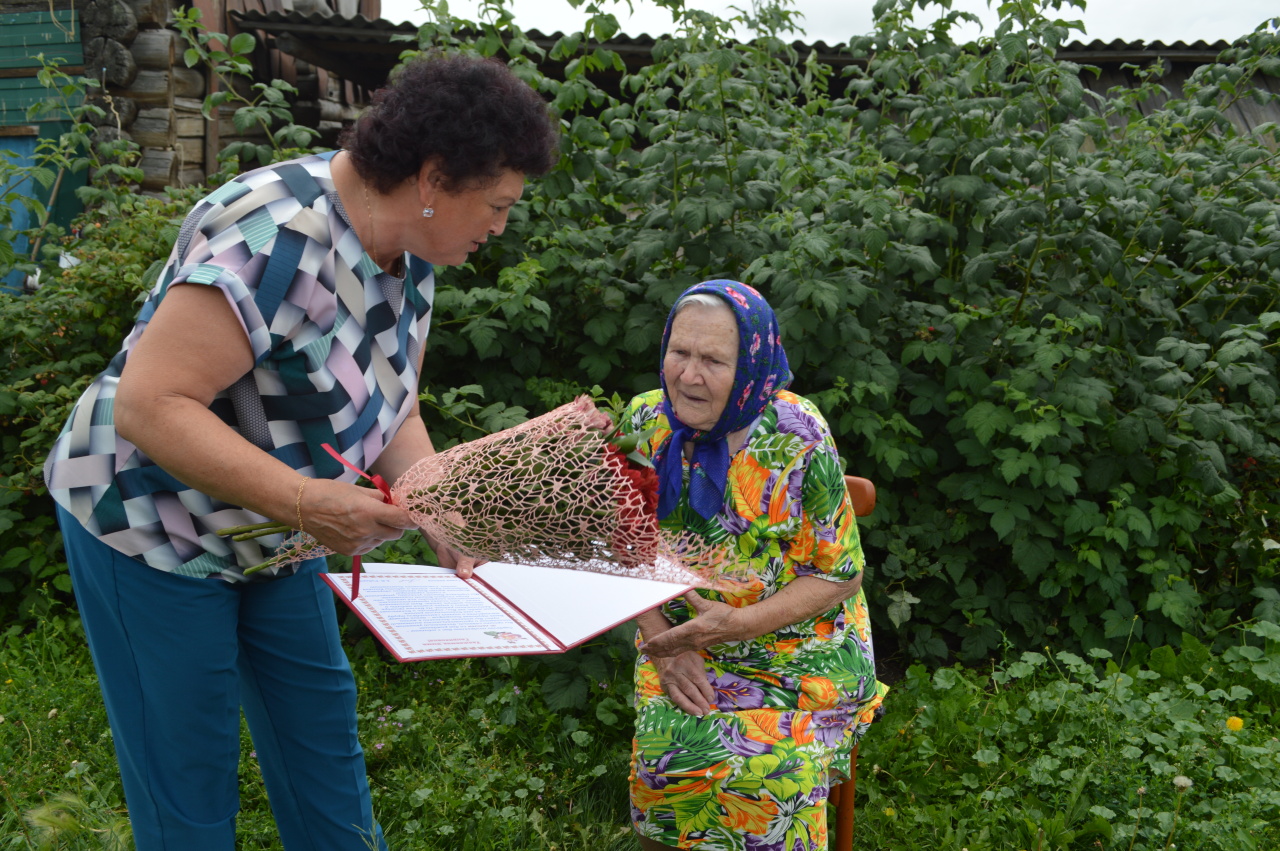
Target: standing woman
(748, 700)
(293, 312)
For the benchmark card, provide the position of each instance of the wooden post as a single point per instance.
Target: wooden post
(110, 61)
(154, 13)
(159, 88)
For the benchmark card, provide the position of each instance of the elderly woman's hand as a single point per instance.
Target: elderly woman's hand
(684, 679)
(464, 565)
(716, 623)
(683, 676)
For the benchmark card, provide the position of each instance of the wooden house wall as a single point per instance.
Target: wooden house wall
(154, 99)
(1246, 114)
(30, 33)
(151, 97)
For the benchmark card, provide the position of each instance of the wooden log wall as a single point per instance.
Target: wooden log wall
(148, 94)
(132, 55)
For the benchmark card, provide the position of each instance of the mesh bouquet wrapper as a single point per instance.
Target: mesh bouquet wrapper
(554, 492)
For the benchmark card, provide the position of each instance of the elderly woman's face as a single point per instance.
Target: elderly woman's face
(701, 363)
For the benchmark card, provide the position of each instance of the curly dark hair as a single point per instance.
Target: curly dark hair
(473, 114)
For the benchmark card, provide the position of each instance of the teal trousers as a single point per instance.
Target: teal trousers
(179, 657)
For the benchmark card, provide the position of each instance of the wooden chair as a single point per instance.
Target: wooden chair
(862, 493)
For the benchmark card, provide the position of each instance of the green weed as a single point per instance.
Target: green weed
(1043, 751)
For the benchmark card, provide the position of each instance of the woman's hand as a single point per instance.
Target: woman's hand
(715, 623)
(683, 676)
(348, 519)
(464, 565)
(684, 679)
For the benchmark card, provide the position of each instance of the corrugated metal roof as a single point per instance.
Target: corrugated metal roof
(364, 51)
(1119, 50)
(341, 41)
(358, 28)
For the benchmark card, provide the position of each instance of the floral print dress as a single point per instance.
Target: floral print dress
(754, 774)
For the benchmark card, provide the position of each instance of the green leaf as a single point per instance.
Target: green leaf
(961, 186)
(986, 421)
(242, 43)
(1004, 522)
(1035, 433)
(1033, 555)
(564, 690)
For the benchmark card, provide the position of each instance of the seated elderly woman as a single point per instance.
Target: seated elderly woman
(747, 706)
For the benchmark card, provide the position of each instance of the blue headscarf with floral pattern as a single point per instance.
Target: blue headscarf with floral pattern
(762, 372)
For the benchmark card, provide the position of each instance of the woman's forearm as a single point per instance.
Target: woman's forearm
(191, 443)
(652, 624)
(162, 407)
(717, 623)
(162, 404)
(803, 598)
(410, 445)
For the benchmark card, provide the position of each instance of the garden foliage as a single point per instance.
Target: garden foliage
(1047, 750)
(1045, 324)
(55, 340)
(1057, 751)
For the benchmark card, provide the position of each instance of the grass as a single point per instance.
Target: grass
(1042, 751)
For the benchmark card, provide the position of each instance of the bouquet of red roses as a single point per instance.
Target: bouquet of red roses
(565, 489)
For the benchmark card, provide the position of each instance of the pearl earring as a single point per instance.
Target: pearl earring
(428, 212)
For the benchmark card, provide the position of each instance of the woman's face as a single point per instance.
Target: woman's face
(701, 363)
(465, 220)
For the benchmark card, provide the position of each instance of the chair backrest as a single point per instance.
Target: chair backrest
(862, 493)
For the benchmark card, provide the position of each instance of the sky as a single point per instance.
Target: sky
(834, 21)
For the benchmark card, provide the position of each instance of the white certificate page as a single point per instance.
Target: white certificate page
(436, 616)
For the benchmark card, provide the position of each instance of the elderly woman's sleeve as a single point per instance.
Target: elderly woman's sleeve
(827, 544)
(642, 412)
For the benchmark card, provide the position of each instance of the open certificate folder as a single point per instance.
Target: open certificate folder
(420, 612)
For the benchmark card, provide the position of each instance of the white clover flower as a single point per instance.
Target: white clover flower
(1182, 782)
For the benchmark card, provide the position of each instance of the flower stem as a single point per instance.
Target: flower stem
(276, 529)
(268, 563)
(1174, 826)
(268, 528)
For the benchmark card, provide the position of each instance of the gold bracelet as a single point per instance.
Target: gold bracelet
(297, 503)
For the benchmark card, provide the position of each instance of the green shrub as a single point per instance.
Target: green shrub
(1092, 363)
(1051, 752)
(1044, 326)
(54, 342)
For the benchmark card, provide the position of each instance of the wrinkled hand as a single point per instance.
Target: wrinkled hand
(684, 679)
(715, 623)
(464, 565)
(348, 519)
